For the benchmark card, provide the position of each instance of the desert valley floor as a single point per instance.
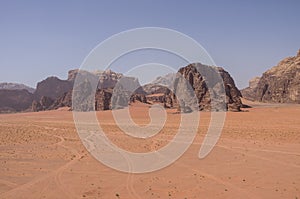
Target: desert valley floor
(257, 156)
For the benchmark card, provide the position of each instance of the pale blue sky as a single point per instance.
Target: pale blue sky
(44, 38)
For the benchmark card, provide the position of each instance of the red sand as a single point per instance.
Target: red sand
(257, 156)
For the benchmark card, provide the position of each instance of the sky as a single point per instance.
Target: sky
(48, 38)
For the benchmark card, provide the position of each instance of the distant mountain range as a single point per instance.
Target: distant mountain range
(166, 80)
(16, 86)
(280, 84)
(15, 100)
(53, 92)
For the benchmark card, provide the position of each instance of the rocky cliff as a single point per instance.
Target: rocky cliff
(107, 78)
(116, 91)
(52, 87)
(198, 84)
(109, 83)
(249, 92)
(280, 84)
(158, 91)
(43, 104)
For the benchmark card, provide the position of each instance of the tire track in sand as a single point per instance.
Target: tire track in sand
(56, 174)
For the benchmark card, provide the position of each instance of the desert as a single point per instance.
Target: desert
(149, 99)
(257, 156)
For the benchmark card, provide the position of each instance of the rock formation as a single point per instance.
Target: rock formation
(249, 92)
(199, 85)
(115, 91)
(63, 101)
(280, 84)
(60, 91)
(166, 80)
(165, 89)
(154, 88)
(52, 87)
(107, 78)
(43, 104)
(138, 97)
(15, 100)
(103, 99)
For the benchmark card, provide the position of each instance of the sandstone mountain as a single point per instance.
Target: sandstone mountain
(52, 87)
(249, 92)
(199, 85)
(54, 93)
(16, 86)
(107, 96)
(166, 80)
(107, 78)
(117, 91)
(129, 90)
(280, 84)
(159, 89)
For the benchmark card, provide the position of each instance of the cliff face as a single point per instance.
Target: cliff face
(53, 93)
(52, 87)
(116, 91)
(44, 104)
(107, 78)
(63, 101)
(158, 90)
(108, 81)
(280, 84)
(249, 92)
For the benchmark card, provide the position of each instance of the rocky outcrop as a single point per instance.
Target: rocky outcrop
(113, 91)
(154, 88)
(103, 99)
(156, 98)
(163, 98)
(280, 84)
(198, 84)
(117, 91)
(166, 80)
(233, 94)
(16, 86)
(15, 100)
(138, 97)
(52, 87)
(63, 101)
(156, 92)
(249, 92)
(107, 78)
(53, 93)
(159, 91)
(45, 103)
(254, 82)
(61, 90)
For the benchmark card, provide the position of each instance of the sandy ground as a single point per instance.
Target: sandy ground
(257, 156)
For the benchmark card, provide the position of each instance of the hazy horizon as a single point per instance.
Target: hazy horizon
(41, 39)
